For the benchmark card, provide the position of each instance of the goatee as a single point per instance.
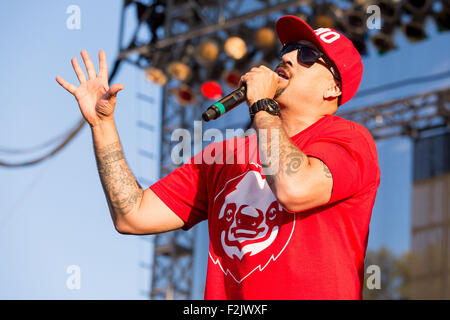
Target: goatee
(279, 92)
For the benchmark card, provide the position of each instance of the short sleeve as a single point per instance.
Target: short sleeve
(184, 192)
(343, 154)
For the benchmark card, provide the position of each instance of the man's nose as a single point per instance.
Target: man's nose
(289, 58)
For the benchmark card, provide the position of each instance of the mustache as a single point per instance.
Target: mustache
(285, 66)
(282, 64)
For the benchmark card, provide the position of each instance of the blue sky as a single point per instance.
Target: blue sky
(54, 214)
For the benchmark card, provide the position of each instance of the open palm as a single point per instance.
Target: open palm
(94, 96)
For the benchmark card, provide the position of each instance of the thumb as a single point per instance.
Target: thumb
(114, 89)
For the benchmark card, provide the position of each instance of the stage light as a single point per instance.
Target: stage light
(389, 10)
(265, 37)
(360, 44)
(184, 95)
(324, 15)
(209, 78)
(211, 90)
(232, 78)
(417, 8)
(390, 13)
(383, 42)
(354, 22)
(235, 47)
(415, 30)
(179, 70)
(155, 75)
(207, 52)
(357, 22)
(324, 21)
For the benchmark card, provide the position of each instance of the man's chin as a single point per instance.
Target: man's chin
(279, 92)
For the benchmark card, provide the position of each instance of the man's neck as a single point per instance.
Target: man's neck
(295, 123)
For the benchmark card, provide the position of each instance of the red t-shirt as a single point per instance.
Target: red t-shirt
(259, 251)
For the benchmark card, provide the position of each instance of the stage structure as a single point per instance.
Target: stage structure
(197, 50)
(430, 217)
(411, 116)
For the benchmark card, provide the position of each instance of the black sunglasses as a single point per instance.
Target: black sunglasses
(308, 55)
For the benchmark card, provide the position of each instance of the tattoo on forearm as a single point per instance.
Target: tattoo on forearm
(121, 188)
(290, 158)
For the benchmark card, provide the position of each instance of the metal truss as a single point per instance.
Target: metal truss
(405, 117)
(187, 20)
(173, 251)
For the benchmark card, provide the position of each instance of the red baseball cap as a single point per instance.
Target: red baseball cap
(333, 44)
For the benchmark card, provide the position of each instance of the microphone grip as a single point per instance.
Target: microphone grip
(225, 104)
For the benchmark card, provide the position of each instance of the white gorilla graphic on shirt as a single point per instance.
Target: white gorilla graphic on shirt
(249, 218)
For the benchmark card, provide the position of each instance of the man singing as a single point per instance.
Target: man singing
(297, 233)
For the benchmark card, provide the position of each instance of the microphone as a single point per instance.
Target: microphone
(225, 104)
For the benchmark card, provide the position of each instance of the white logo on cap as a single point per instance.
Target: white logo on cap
(327, 35)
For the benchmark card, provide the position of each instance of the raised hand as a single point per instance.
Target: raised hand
(94, 96)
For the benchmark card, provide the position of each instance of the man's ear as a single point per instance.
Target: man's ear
(333, 91)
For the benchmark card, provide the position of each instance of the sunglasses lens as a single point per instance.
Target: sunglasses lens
(288, 48)
(307, 56)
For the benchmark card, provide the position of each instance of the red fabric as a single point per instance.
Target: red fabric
(259, 251)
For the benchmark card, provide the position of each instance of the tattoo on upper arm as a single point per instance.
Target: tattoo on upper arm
(326, 170)
(121, 188)
(292, 159)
